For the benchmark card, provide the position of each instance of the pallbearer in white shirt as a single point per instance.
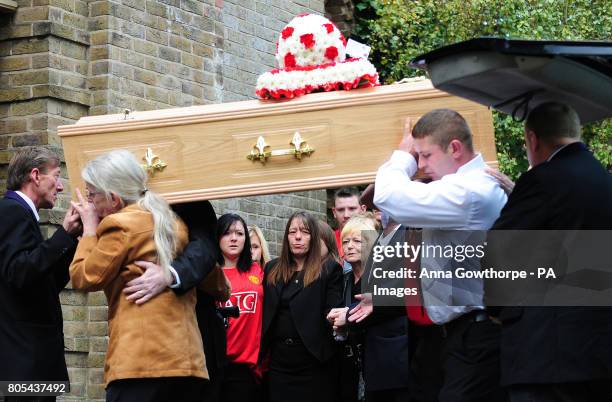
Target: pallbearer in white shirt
(457, 356)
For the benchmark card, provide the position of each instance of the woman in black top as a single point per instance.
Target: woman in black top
(383, 335)
(299, 291)
(357, 238)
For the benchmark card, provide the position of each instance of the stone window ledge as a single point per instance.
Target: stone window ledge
(7, 6)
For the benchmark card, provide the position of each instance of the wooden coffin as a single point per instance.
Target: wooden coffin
(205, 148)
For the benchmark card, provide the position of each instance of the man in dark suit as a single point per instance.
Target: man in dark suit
(557, 353)
(33, 271)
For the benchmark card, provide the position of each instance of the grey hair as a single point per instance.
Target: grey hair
(120, 173)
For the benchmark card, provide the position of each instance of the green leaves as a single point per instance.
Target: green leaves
(399, 30)
(362, 5)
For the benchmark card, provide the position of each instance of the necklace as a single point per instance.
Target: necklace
(295, 275)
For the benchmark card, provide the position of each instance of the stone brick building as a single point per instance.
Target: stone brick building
(64, 59)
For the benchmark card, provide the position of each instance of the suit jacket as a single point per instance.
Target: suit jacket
(159, 338)
(309, 309)
(558, 344)
(196, 268)
(385, 350)
(33, 271)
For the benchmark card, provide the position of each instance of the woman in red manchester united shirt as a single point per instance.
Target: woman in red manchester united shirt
(243, 333)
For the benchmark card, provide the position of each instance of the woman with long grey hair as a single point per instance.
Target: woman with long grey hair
(155, 349)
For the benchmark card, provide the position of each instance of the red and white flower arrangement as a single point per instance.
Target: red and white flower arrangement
(311, 55)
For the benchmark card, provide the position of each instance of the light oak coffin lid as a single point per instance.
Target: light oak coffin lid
(246, 109)
(103, 128)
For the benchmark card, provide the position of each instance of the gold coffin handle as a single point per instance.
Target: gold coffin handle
(261, 150)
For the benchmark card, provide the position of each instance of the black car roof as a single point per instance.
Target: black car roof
(514, 76)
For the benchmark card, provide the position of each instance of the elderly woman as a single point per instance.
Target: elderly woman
(300, 288)
(155, 349)
(357, 237)
(383, 332)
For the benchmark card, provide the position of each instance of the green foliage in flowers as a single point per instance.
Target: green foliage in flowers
(399, 30)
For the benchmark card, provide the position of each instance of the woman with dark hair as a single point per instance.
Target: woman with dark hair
(240, 382)
(300, 289)
(329, 248)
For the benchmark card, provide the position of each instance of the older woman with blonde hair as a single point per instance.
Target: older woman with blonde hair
(382, 336)
(358, 237)
(155, 349)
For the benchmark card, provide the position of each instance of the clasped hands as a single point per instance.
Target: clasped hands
(81, 217)
(338, 317)
(86, 213)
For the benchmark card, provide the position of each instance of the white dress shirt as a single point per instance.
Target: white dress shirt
(469, 199)
(30, 203)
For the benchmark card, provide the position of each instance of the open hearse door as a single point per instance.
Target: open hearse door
(247, 148)
(514, 76)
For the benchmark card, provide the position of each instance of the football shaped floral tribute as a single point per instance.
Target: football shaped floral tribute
(311, 55)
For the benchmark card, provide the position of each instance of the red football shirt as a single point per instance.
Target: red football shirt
(244, 332)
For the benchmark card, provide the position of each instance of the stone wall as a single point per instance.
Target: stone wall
(341, 12)
(43, 73)
(64, 59)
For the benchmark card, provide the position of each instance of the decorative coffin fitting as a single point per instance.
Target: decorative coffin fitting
(210, 151)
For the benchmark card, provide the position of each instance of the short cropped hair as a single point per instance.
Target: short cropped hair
(346, 192)
(443, 126)
(366, 225)
(26, 159)
(552, 120)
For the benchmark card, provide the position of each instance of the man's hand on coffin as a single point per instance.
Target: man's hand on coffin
(407, 142)
(152, 282)
(88, 214)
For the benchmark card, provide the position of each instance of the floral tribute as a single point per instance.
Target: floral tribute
(311, 56)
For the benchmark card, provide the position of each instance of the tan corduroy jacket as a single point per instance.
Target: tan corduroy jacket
(159, 338)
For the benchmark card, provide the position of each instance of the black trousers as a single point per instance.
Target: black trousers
(295, 375)
(458, 362)
(389, 395)
(588, 391)
(176, 389)
(238, 384)
(349, 365)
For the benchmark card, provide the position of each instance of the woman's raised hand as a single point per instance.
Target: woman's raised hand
(88, 214)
